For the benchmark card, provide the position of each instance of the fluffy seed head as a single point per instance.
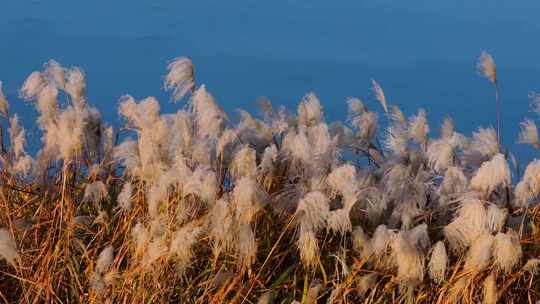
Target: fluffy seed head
(529, 134)
(313, 210)
(468, 224)
(507, 250)
(180, 78)
(418, 127)
(491, 175)
(485, 142)
(486, 67)
(438, 263)
(447, 127)
(76, 85)
(310, 110)
(529, 187)
(479, 254)
(379, 95)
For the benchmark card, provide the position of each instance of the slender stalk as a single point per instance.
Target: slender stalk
(498, 110)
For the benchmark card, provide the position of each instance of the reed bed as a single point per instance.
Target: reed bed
(275, 207)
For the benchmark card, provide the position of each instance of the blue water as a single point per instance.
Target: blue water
(423, 53)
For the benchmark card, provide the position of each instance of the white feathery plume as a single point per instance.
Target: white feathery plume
(379, 95)
(107, 143)
(8, 247)
(248, 198)
(182, 243)
(16, 136)
(127, 153)
(105, 259)
(124, 197)
(209, 116)
(32, 86)
(313, 210)
(529, 134)
(454, 182)
(343, 179)
(418, 127)
(491, 175)
(322, 146)
(485, 142)
(338, 221)
(381, 240)
(447, 127)
(469, 223)
(47, 105)
(310, 110)
(244, 163)
(280, 123)
(440, 154)
(529, 187)
(490, 290)
(409, 259)
(367, 125)
(95, 192)
(355, 107)
(486, 67)
(69, 133)
(438, 263)
(308, 246)
(75, 86)
(479, 254)
(143, 114)
(269, 159)
(496, 218)
(507, 251)
(180, 77)
(54, 72)
(397, 139)
(297, 146)
(221, 224)
(4, 105)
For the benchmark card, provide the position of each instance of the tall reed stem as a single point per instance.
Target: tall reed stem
(498, 109)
